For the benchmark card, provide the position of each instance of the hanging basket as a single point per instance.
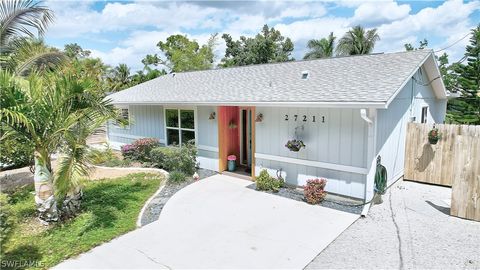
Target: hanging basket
(434, 136)
(295, 145)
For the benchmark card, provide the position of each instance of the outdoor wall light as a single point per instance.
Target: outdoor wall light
(212, 116)
(259, 118)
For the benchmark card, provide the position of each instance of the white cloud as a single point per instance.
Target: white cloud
(374, 13)
(146, 23)
(140, 43)
(448, 22)
(74, 21)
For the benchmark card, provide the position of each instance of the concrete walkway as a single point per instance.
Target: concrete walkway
(411, 229)
(219, 223)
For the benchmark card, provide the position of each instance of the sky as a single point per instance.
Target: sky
(125, 31)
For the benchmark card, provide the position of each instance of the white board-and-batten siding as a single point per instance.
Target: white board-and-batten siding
(392, 122)
(147, 121)
(335, 149)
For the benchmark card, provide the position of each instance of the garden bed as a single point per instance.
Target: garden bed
(154, 208)
(331, 201)
(110, 208)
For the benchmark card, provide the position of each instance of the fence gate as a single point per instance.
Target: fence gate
(454, 161)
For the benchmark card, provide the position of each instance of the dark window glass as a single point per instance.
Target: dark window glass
(424, 114)
(172, 137)
(124, 114)
(187, 136)
(171, 117)
(187, 119)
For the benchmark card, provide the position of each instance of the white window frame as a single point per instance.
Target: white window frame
(123, 107)
(179, 128)
(424, 117)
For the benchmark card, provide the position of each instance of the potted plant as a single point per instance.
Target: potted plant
(434, 135)
(295, 145)
(232, 125)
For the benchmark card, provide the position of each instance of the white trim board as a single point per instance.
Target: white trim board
(320, 104)
(311, 163)
(135, 137)
(207, 148)
(208, 163)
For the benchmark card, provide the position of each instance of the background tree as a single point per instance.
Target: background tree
(268, 46)
(357, 41)
(466, 108)
(183, 54)
(119, 77)
(320, 48)
(422, 45)
(75, 51)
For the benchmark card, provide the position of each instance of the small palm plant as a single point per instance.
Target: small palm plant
(57, 113)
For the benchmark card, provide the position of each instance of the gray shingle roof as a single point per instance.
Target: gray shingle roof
(368, 78)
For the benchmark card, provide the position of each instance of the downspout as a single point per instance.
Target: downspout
(366, 207)
(363, 114)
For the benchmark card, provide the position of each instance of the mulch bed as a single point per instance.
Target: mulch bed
(331, 201)
(154, 209)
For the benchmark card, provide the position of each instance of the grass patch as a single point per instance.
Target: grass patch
(110, 208)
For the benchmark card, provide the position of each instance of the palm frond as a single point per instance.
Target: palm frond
(31, 54)
(18, 17)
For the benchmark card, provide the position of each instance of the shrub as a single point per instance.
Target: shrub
(314, 190)
(16, 152)
(5, 220)
(98, 157)
(177, 176)
(174, 158)
(265, 182)
(140, 149)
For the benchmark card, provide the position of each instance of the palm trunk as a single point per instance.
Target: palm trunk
(44, 192)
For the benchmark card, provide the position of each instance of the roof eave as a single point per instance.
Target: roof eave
(335, 104)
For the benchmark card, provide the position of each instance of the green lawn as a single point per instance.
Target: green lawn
(110, 208)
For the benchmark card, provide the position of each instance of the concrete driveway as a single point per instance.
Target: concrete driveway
(220, 223)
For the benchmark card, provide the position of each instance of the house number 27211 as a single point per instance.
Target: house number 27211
(304, 118)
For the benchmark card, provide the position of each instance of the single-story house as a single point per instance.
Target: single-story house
(346, 110)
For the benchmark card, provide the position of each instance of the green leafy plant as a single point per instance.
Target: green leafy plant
(265, 182)
(140, 149)
(177, 176)
(434, 135)
(174, 158)
(99, 157)
(314, 190)
(295, 145)
(5, 220)
(15, 152)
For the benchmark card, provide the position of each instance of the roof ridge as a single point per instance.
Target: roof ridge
(299, 61)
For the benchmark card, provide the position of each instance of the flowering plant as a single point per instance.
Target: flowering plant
(295, 145)
(434, 135)
(140, 149)
(314, 190)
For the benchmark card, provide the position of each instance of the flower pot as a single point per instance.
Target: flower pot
(294, 149)
(433, 140)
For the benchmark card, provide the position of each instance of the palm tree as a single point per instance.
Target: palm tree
(120, 77)
(18, 18)
(357, 41)
(56, 112)
(321, 48)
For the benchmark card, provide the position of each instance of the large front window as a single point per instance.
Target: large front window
(180, 126)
